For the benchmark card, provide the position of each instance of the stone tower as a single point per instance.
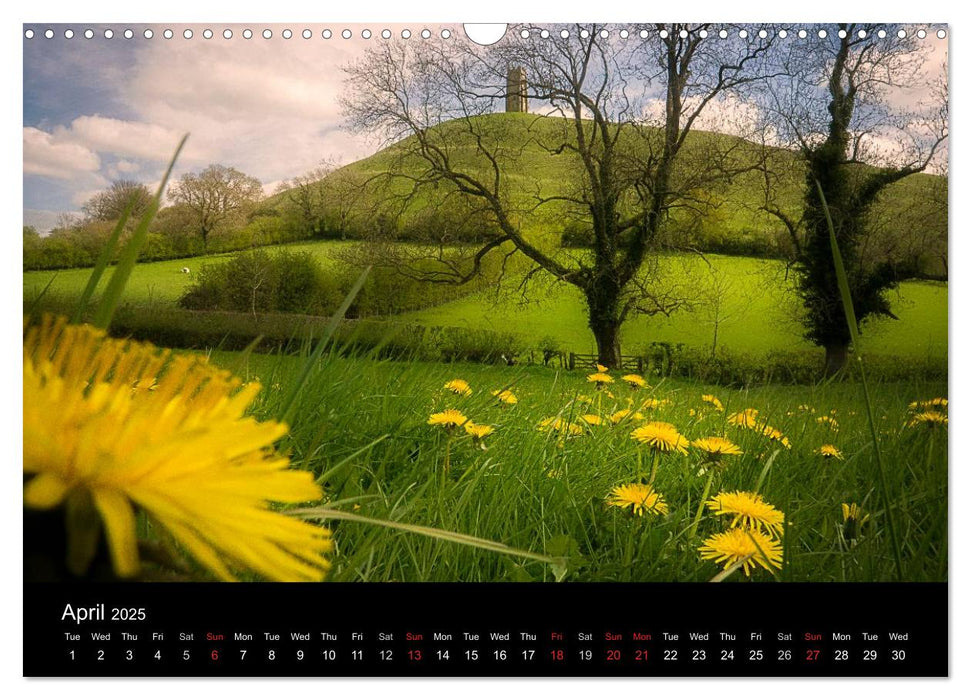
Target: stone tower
(516, 90)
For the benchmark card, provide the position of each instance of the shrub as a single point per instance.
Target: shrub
(257, 282)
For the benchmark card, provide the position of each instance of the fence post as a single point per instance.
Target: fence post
(571, 363)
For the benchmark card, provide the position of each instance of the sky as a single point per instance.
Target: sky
(97, 110)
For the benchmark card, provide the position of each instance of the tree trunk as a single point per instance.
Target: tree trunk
(836, 357)
(604, 320)
(607, 334)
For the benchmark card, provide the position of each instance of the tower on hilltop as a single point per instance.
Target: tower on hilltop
(516, 90)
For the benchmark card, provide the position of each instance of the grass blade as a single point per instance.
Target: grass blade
(129, 254)
(765, 471)
(290, 403)
(101, 264)
(36, 302)
(337, 467)
(844, 286)
(725, 573)
(447, 535)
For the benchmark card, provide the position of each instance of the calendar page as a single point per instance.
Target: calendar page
(545, 350)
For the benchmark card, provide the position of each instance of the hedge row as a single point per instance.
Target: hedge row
(291, 333)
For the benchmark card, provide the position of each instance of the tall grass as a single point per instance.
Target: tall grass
(361, 424)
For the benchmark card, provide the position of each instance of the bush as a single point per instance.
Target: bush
(257, 282)
(780, 367)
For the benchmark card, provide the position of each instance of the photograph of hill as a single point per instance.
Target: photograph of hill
(606, 303)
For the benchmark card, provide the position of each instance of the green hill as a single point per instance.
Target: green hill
(731, 221)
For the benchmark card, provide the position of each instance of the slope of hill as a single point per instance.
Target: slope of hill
(732, 220)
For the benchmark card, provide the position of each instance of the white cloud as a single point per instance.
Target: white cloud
(270, 110)
(124, 166)
(126, 139)
(44, 154)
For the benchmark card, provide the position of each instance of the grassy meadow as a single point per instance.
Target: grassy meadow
(758, 311)
(362, 427)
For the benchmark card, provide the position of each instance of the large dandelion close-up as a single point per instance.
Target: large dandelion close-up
(184, 452)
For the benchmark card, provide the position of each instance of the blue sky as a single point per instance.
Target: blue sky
(99, 109)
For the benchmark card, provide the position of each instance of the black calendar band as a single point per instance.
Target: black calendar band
(361, 630)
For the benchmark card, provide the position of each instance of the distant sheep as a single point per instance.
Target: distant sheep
(184, 270)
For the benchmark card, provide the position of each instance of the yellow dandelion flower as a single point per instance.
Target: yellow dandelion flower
(854, 518)
(748, 510)
(478, 433)
(448, 419)
(184, 453)
(641, 498)
(662, 437)
(744, 419)
(600, 378)
(776, 434)
(504, 396)
(625, 414)
(806, 408)
(750, 547)
(583, 398)
(716, 447)
(931, 419)
(829, 422)
(601, 368)
(829, 452)
(713, 400)
(458, 386)
(592, 419)
(650, 404)
(692, 412)
(635, 381)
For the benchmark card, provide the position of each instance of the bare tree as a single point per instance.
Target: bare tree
(67, 221)
(306, 193)
(617, 116)
(215, 195)
(845, 102)
(110, 204)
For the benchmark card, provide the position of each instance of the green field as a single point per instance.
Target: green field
(758, 313)
(156, 282)
(363, 425)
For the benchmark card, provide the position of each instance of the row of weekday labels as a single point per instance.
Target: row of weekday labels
(470, 637)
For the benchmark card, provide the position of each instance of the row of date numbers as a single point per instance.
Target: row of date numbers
(501, 655)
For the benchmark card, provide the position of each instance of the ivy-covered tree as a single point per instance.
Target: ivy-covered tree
(856, 105)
